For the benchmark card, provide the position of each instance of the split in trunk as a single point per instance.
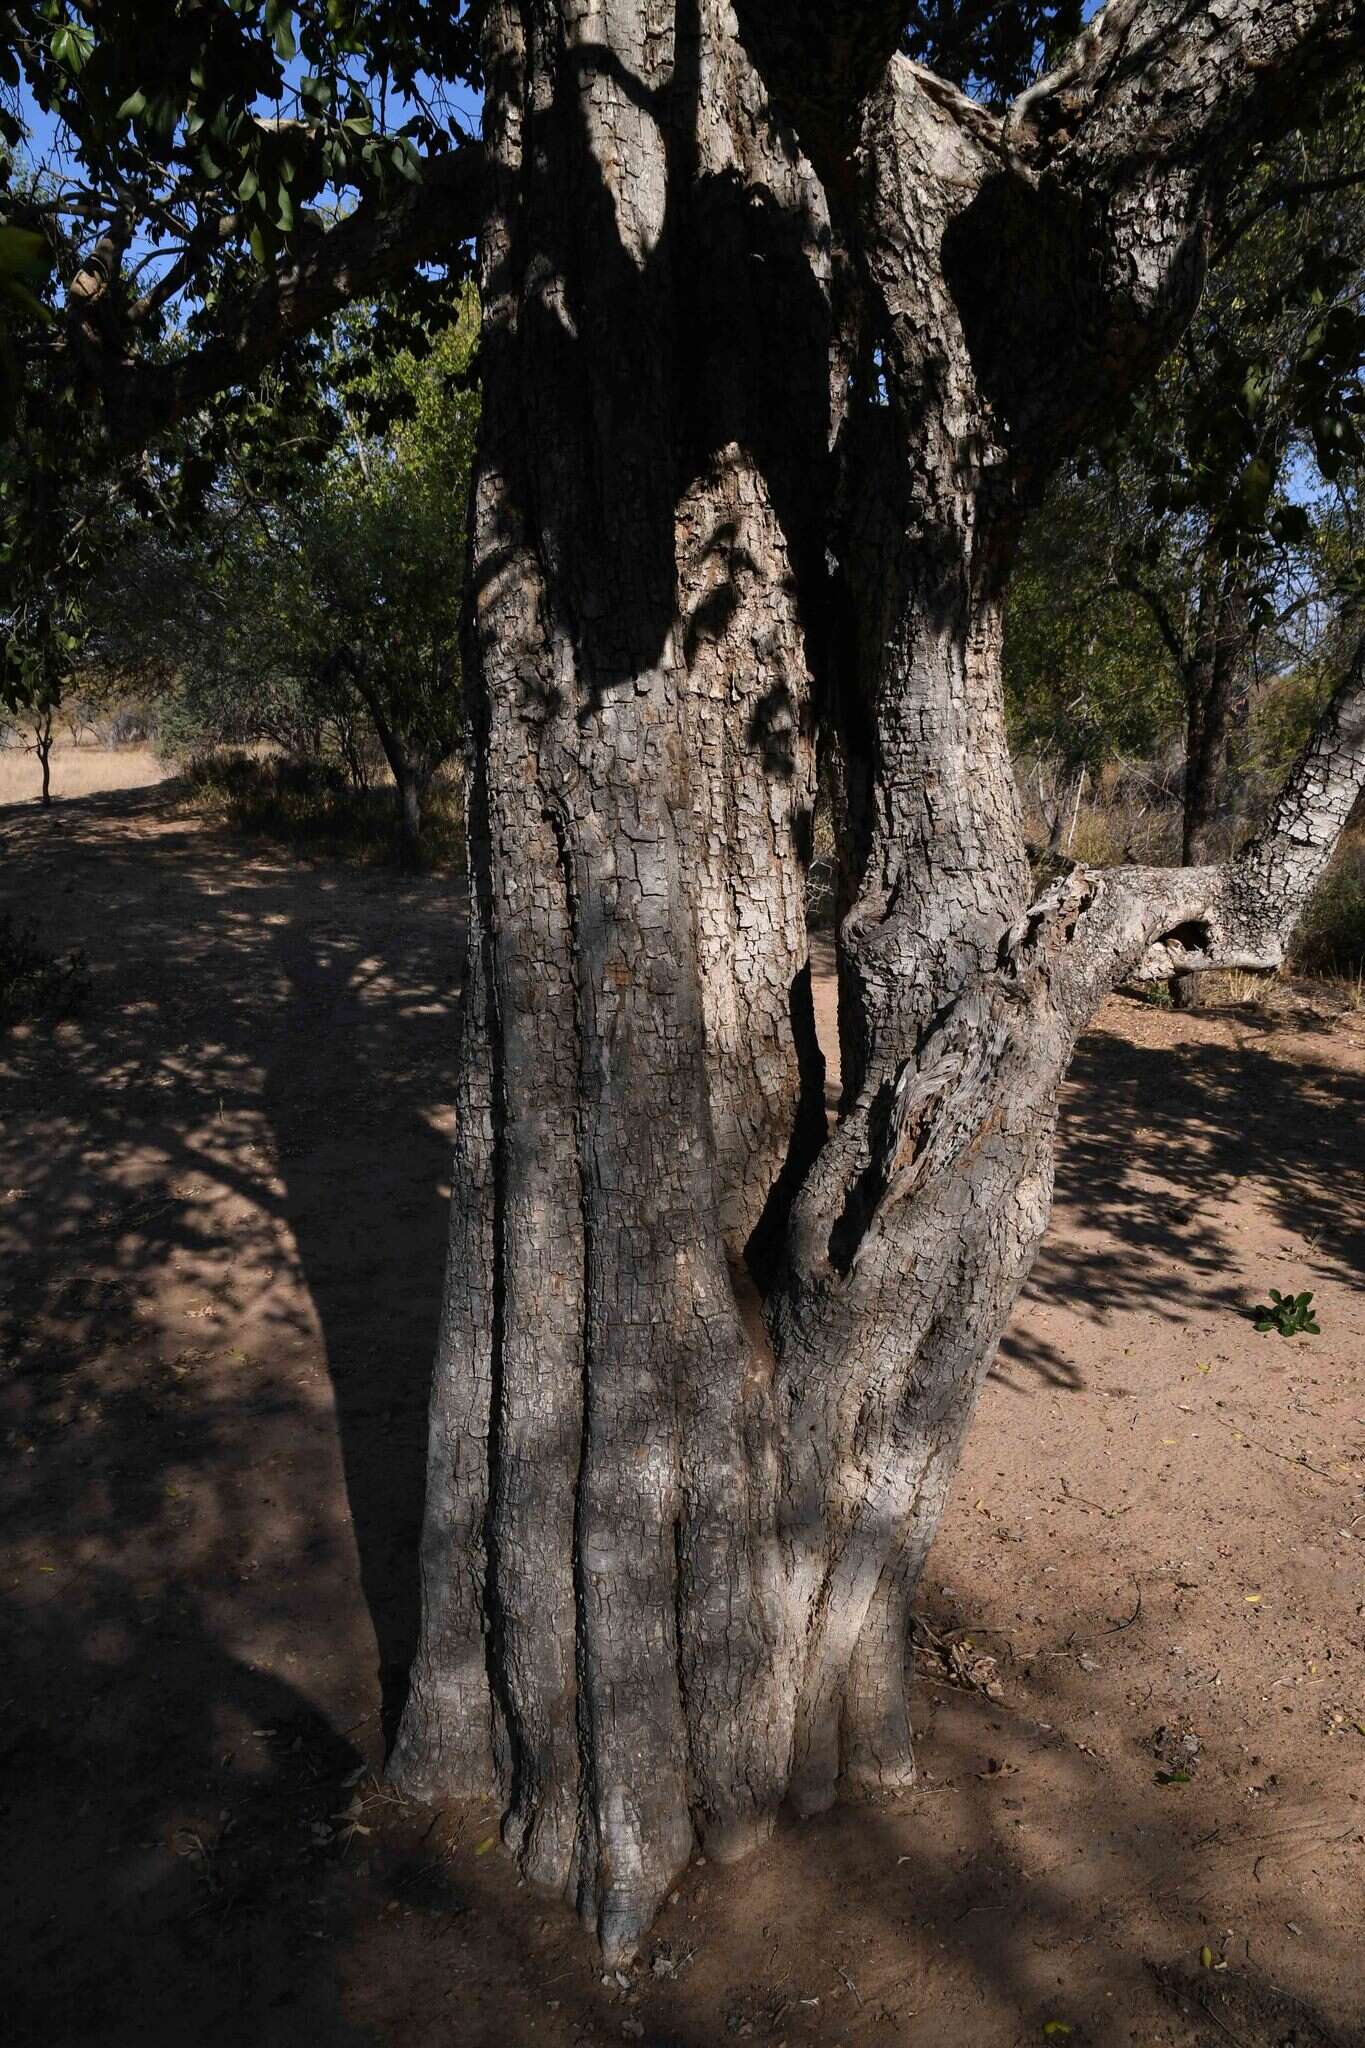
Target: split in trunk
(756, 440)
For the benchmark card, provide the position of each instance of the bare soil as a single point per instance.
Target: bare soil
(1141, 1675)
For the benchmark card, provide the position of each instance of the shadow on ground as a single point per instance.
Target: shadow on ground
(230, 1172)
(1157, 1139)
(221, 1221)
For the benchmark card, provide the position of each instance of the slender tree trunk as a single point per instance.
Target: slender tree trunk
(1216, 681)
(411, 777)
(410, 787)
(43, 749)
(754, 449)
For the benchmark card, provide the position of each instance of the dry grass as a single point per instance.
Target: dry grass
(78, 771)
(311, 805)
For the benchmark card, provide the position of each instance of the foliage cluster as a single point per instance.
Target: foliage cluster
(311, 804)
(1290, 1315)
(314, 606)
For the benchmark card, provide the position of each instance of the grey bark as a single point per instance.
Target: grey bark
(756, 441)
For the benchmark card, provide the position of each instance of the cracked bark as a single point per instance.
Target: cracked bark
(756, 442)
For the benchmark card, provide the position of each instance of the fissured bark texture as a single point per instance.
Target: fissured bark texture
(756, 441)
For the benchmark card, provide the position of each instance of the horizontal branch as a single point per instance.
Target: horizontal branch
(387, 236)
(1151, 923)
(1164, 83)
(1287, 193)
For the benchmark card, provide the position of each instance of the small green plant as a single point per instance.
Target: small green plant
(1157, 993)
(1290, 1314)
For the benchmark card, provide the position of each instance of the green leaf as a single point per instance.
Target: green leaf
(19, 295)
(281, 24)
(71, 46)
(1253, 492)
(24, 255)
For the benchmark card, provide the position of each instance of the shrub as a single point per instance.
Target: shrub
(312, 803)
(1331, 939)
(34, 982)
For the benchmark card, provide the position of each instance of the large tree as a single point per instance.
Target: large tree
(783, 333)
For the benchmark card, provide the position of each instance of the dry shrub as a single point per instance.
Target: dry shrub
(1331, 940)
(312, 804)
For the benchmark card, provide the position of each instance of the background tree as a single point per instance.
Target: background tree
(1089, 679)
(381, 547)
(320, 591)
(1202, 507)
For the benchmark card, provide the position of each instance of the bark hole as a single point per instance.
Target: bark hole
(1192, 937)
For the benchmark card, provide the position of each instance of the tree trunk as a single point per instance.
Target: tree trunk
(1216, 680)
(410, 787)
(410, 770)
(754, 448)
(639, 1032)
(43, 749)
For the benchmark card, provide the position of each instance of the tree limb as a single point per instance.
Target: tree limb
(1134, 586)
(1287, 193)
(384, 237)
(1153, 83)
(1083, 253)
(1151, 923)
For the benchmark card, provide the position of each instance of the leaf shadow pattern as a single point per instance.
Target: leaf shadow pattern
(1155, 1140)
(221, 1240)
(204, 1538)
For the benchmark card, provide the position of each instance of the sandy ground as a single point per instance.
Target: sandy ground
(221, 1220)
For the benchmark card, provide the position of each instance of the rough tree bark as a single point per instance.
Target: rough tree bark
(781, 334)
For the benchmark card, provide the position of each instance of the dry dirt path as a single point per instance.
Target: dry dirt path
(221, 1220)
